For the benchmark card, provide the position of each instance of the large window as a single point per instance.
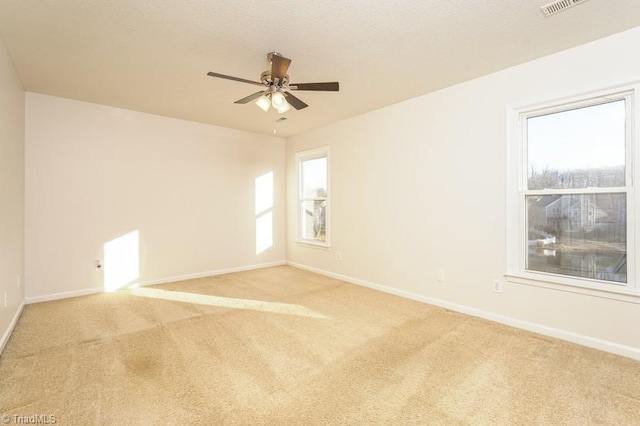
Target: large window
(571, 203)
(313, 197)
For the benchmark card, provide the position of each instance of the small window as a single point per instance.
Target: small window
(571, 209)
(313, 196)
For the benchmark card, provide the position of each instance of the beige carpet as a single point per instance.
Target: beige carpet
(282, 346)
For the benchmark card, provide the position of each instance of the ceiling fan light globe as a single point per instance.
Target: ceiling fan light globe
(263, 103)
(278, 99)
(283, 108)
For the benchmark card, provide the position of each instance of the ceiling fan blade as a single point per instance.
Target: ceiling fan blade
(333, 86)
(228, 77)
(294, 102)
(251, 97)
(279, 67)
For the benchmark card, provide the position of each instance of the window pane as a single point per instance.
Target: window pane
(580, 148)
(314, 178)
(581, 235)
(313, 221)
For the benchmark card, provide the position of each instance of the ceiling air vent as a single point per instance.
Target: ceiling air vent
(559, 6)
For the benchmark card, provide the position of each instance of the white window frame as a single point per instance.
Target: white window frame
(306, 156)
(517, 168)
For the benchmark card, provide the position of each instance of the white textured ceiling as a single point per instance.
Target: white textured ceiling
(153, 55)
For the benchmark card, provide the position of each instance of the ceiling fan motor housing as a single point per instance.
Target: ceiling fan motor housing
(266, 79)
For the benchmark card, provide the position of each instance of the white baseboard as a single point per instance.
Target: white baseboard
(63, 295)
(211, 273)
(603, 345)
(94, 290)
(8, 331)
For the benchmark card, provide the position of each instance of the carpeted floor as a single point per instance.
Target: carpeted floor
(282, 346)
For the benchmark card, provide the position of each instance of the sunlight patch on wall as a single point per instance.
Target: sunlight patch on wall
(264, 192)
(264, 212)
(264, 232)
(121, 261)
(226, 302)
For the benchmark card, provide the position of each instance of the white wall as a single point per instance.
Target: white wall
(11, 194)
(95, 173)
(421, 186)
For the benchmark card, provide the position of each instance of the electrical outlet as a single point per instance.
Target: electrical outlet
(440, 275)
(497, 286)
(98, 265)
(339, 256)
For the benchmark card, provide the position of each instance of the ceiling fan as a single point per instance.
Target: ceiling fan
(276, 86)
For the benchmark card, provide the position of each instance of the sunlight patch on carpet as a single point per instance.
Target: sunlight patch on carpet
(226, 302)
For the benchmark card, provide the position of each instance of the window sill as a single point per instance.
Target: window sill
(311, 244)
(623, 294)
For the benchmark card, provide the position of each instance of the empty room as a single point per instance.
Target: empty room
(320, 213)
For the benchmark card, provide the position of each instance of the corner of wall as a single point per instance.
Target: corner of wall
(12, 145)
